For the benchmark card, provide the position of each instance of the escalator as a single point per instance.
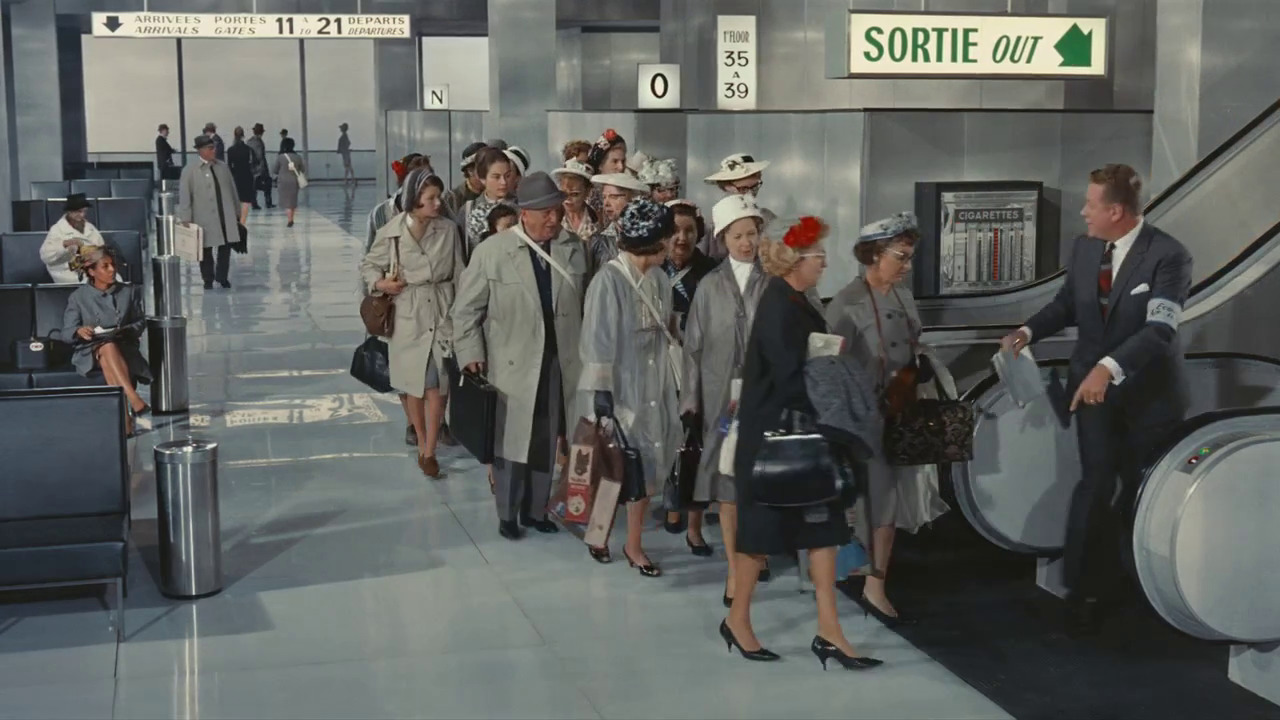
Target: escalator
(1223, 210)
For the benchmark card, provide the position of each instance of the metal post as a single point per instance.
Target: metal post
(167, 346)
(166, 282)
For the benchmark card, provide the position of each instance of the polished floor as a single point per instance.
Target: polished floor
(355, 588)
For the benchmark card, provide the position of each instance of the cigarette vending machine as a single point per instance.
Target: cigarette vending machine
(980, 237)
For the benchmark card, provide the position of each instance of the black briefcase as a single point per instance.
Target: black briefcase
(473, 411)
(32, 354)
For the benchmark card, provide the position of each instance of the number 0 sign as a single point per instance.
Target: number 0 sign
(658, 87)
(736, 62)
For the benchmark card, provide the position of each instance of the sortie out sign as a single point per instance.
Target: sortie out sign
(982, 46)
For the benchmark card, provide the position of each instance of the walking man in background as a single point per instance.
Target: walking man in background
(344, 152)
(207, 198)
(261, 173)
(164, 151)
(1124, 291)
(219, 147)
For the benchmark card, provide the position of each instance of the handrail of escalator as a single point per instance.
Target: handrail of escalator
(1186, 177)
(972, 394)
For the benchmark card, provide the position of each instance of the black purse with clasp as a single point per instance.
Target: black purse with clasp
(797, 467)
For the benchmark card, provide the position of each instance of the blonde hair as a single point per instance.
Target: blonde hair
(777, 258)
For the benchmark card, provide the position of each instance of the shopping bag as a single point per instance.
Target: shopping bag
(594, 453)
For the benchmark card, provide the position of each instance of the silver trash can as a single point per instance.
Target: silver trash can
(188, 518)
(166, 283)
(167, 346)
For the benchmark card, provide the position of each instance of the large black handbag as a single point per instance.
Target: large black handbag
(633, 485)
(370, 365)
(798, 467)
(678, 493)
(473, 411)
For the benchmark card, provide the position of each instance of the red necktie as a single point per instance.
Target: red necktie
(1104, 279)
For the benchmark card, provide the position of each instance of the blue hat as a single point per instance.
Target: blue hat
(643, 223)
(890, 227)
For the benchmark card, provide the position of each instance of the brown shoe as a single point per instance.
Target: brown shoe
(429, 466)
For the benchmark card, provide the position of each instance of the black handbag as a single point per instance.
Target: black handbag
(633, 484)
(797, 467)
(32, 354)
(473, 411)
(370, 365)
(678, 493)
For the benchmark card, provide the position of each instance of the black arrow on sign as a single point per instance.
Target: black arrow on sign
(113, 23)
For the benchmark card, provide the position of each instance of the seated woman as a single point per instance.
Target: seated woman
(103, 321)
(72, 232)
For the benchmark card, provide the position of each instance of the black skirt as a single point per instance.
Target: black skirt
(764, 530)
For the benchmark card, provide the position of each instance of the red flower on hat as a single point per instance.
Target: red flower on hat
(804, 233)
(398, 168)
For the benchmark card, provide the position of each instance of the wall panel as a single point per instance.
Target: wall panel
(149, 68)
(339, 90)
(37, 107)
(462, 63)
(242, 82)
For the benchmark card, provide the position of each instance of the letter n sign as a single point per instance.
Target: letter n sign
(435, 97)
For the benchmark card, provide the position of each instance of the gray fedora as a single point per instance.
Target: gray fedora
(538, 192)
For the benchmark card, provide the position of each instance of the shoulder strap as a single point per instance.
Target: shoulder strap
(618, 262)
(546, 256)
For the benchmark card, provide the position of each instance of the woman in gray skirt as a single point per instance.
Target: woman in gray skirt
(416, 258)
(877, 316)
(103, 322)
(289, 166)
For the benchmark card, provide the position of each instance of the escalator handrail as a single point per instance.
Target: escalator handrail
(1164, 195)
(974, 393)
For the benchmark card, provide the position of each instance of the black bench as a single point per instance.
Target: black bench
(20, 256)
(47, 189)
(64, 515)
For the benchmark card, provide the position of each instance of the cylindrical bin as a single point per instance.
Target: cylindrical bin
(188, 518)
(167, 285)
(167, 345)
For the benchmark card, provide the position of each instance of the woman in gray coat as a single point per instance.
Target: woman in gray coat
(878, 319)
(416, 257)
(288, 166)
(103, 321)
(714, 346)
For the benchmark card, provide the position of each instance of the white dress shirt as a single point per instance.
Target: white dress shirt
(741, 273)
(1118, 254)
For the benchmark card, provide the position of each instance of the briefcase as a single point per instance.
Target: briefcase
(32, 354)
(473, 411)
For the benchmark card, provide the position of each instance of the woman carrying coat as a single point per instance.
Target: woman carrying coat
(289, 166)
(714, 345)
(876, 314)
(773, 383)
(628, 372)
(416, 258)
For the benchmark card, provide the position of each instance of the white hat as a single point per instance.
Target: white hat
(659, 173)
(519, 158)
(638, 160)
(736, 167)
(626, 181)
(732, 208)
(686, 203)
(573, 167)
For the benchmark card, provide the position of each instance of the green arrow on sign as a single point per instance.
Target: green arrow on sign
(1075, 47)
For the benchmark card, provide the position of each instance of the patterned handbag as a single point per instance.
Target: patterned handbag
(920, 431)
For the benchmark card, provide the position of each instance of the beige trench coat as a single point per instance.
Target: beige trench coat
(497, 319)
(429, 267)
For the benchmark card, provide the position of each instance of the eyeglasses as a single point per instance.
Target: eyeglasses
(745, 189)
(905, 257)
(818, 254)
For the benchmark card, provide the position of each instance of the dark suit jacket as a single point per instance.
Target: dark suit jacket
(164, 152)
(1140, 332)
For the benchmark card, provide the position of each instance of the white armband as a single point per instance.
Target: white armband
(1165, 312)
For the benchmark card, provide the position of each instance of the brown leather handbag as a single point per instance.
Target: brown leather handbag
(379, 311)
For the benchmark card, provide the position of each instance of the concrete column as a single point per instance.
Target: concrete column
(395, 88)
(522, 70)
(37, 106)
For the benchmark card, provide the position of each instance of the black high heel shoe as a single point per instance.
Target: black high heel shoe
(647, 570)
(761, 655)
(703, 550)
(765, 573)
(600, 555)
(889, 621)
(827, 651)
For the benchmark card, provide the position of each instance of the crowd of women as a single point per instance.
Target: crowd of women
(597, 292)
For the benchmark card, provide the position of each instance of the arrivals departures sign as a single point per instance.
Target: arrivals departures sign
(250, 26)
(977, 46)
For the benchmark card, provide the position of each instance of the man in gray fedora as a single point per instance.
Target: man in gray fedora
(516, 319)
(207, 197)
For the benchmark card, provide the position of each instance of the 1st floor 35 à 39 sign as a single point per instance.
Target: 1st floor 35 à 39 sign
(977, 46)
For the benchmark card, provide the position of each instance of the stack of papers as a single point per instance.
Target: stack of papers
(1020, 376)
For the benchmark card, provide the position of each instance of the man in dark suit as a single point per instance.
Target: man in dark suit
(164, 151)
(1124, 291)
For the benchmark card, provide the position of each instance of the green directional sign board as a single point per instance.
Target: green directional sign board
(977, 46)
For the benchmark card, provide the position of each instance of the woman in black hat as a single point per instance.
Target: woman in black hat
(72, 232)
(630, 360)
